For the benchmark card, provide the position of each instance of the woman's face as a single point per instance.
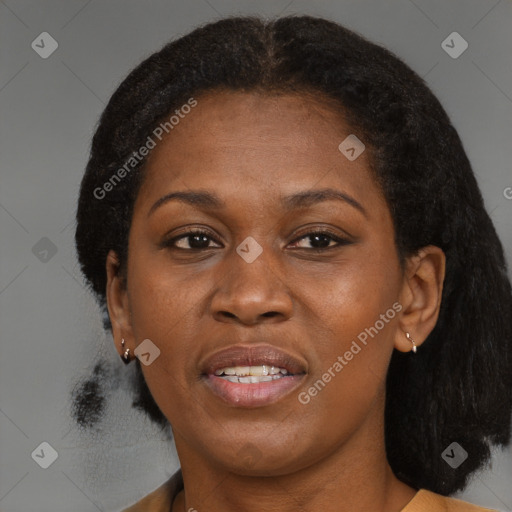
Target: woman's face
(263, 282)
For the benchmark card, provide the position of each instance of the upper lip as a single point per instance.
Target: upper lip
(253, 355)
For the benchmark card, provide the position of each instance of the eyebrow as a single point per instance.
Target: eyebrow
(207, 200)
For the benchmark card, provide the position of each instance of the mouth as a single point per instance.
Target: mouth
(253, 376)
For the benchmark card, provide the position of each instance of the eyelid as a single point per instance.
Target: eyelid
(327, 230)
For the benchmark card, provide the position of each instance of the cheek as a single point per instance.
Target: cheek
(353, 341)
(354, 338)
(164, 299)
(353, 299)
(165, 308)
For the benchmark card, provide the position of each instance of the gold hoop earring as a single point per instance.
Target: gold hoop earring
(412, 341)
(126, 355)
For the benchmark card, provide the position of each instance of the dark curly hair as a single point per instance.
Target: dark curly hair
(460, 387)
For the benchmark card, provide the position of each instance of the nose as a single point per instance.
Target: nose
(252, 292)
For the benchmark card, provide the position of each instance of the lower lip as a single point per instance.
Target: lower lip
(252, 395)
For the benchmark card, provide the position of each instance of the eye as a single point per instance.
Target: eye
(195, 239)
(321, 239)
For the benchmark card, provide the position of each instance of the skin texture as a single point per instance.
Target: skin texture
(250, 149)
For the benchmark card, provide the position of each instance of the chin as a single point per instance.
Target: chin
(253, 459)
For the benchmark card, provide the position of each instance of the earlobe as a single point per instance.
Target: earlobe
(117, 303)
(421, 297)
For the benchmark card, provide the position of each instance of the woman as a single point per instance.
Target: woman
(285, 230)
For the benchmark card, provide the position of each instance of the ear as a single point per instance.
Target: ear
(117, 304)
(420, 296)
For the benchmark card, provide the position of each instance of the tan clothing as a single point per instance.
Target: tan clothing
(160, 500)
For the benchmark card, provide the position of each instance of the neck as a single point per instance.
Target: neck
(354, 477)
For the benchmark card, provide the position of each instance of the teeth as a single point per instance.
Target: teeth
(249, 371)
(231, 379)
(251, 379)
(259, 370)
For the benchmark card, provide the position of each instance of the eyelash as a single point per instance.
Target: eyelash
(340, 241)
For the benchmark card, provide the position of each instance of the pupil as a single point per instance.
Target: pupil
(202, 243)
(316, 237)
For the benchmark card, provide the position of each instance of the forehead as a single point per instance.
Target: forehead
(258, 146)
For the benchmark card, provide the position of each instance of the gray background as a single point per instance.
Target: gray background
(51, 330)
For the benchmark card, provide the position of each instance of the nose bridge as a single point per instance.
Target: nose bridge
(255, 262)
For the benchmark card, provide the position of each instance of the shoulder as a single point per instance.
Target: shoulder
(427, 501)
(159, 500)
